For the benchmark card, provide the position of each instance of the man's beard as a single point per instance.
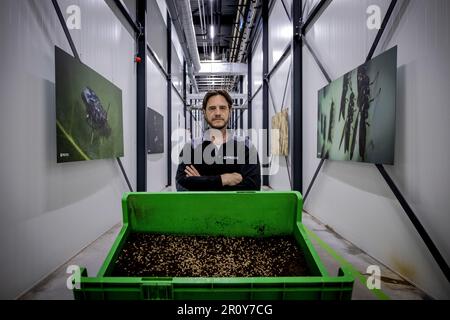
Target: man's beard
(218, 127)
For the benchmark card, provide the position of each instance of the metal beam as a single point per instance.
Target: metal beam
(184, 93)
(156, 61)
(254, 34)
(286, 52)
(316, 12)
(124, 174)
(249, 89)
(179, 95)
(286, 10)
(127, 15)
(241, 102)
(201, 95)
(190, 115)
(415, 221)
(214, 81)
(409, 212)
(381, 31)
(222, 69)
(141, 103)
(313, 179)
(256, 92)
(265, 97)
(169, 100)
(66, 30)
(199, 107)
(327, 76)
(297, 96)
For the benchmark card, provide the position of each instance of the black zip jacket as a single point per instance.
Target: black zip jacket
(236, 155)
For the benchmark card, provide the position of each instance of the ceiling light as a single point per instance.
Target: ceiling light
(212, 32)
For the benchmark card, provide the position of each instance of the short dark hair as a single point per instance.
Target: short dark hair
(219, 92)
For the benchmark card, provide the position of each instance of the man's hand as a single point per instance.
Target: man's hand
(231, 179)
(191, 172)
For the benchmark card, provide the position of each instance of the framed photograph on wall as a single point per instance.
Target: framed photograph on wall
(88, 112)
(357, 113)
(155, 132)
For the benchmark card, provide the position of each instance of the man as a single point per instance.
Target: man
(220, 160)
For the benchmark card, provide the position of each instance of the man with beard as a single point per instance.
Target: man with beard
(219, 160)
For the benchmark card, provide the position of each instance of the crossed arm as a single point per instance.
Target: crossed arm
(227, 179)
(189, 178)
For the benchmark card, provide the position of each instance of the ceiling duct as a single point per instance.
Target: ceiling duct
(252, 9)
(189, 30)
(182, 13)
(185, 29)
(245, 35)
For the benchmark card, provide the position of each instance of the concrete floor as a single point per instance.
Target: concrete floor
(392, 285)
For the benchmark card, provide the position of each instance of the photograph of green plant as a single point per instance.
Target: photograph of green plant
(88, 112)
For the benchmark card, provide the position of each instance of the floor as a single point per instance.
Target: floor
(331, 247)
(335, 251)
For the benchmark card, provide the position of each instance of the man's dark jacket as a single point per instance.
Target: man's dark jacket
(236, 155)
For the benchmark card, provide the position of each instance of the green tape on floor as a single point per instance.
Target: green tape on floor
(362, 278)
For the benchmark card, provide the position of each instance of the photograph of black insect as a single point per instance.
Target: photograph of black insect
(365, 125)
(96, 115)
(88, 112)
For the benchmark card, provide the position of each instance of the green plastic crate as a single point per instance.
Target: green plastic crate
(215, 214)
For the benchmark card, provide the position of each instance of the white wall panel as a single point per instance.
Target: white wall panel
(157, 100)
(51, 211)
(163, 9)
(280, 35)
(315, 81)
(177, 70)
(257, 67)
(157, 31)
(178, 50)
(353, 198)
(178, 133)
(178, 120)
(245, 119)
(280, 85)
(280, 32)
(245, 91)
(288, 4)
(245, 84)
(308, 5)
(340, 36)
(423, 147)
(257, 111)
(131, 7)
(256, 131)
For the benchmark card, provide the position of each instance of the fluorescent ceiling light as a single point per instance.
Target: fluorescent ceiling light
(212, 32)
